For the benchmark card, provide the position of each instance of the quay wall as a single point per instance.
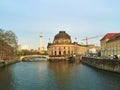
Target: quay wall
(67, 58)
(104, 64)
(7, 62)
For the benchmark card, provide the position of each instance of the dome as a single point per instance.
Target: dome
(62, 37)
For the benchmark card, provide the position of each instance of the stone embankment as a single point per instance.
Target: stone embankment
(7, 62)
(104, 64)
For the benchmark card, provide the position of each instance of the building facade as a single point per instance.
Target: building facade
(110, 45)
(62, 47)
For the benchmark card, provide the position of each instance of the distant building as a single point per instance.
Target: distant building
(25, 47)
(44, 49)
(62, 47)
(110, 44)
(93, 50)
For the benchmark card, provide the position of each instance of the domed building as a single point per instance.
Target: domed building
(62, 37)
(62, 47)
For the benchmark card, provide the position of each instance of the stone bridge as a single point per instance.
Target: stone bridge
(34, 56)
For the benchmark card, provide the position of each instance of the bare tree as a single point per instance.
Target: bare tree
(8, 44)
(9, 37)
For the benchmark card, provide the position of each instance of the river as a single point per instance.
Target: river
(44, 75)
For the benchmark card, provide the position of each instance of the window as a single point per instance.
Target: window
(55, 52)
(59, 52)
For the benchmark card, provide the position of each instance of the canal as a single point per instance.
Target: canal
(44, 75)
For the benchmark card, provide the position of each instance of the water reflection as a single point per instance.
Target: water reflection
(56, 76)
(39, 59)
(34, 59)
(62, 74)
(5, 78)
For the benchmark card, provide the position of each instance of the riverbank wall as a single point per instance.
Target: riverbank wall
(75, 59)
(104, 64)
(7, 62)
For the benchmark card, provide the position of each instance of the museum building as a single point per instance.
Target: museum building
(62, 47)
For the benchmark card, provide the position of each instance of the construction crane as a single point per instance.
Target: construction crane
(86, 39)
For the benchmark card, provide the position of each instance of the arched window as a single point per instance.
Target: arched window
(55, 52)
(59, 52)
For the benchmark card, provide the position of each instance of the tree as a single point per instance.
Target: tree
(20, 53)
(9, 37)
(8, 44)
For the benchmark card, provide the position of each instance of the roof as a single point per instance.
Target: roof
(110, 36)
(116, 37)
(62, 35)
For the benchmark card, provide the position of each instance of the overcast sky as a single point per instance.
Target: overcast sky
(79, 18)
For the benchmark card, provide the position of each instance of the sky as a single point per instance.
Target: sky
(79, 18)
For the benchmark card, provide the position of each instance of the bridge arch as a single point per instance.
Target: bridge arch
(34, 56)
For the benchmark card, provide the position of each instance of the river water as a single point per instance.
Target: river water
(44, 75)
